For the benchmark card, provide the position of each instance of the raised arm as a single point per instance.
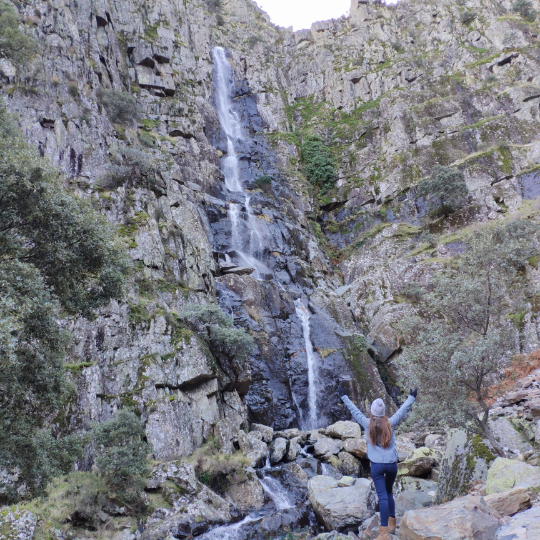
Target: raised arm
(404, 409)
(356, 412)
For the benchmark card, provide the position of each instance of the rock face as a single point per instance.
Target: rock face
(466, 517)
(506, 474)
(525, 526)
(340, 507)
(17, 524)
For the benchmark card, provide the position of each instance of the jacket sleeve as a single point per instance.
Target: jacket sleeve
(356, 412)
(402, 411)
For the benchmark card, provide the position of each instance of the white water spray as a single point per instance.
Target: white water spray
(273, 488)
(303, 315)
(227, 532)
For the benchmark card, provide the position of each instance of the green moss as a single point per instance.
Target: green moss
(481, 449)
(75, 368)
(534, 260)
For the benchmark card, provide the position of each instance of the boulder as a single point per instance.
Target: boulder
(344, 430)
(411, 500)
(288, 433)
(509, 437)
(356, 447)
(266, 431)
(324, 448)
(340, 507)
(334, 535)
(17, 523)
(294, 448)
(404, 449)
(179, 472)
(510, 502)
(246, 491)
(537, 432)
(506, 474)
(464, 463)
(419, 462)
(523, 526)
(254, 449)
(278, 449)
(224, 432)
(436, 441)
(461, 519)
(298, 472)
(408, 483)
(347, 464)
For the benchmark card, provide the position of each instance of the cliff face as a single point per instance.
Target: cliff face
(393, 90)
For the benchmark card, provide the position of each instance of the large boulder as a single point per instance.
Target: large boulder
(294, 448)
(344, 430)
(245, 491)
(179, 472)
(347, 464)
(510, 502)
(411, 500)
(266, 431)
(419, 462)
(465, 462)
(357, 447)
(334, 535)
(324, 448)
(340, 507)
(524, 526)
(278, 449)
(506, 474)
(224, 433)
(461, 519)
(17, 523)
(253, 448)
(509, 437)
(408, 483)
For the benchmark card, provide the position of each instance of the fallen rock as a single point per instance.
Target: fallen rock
(224, 434)
(334, 535)
(523, 526)
(356, 447)
(347, 464)
(253, 448)
(510, 502)
(461, 519)
(294, 448)
(324, 448)
(436, 441)
(419, 462)
(344, 430)
(288, 433)
(340, 507)
(245, 491)
(266, 431)
(537, 432)
(16, 523)
(298, 472)
(506, 474)
(408, 483)
(404, 449)
(238, 270)
(179, 472)
(412, 500)
(278, 449)
(508, 437)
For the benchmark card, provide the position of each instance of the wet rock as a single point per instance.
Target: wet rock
(278, 449)
(294, 448)
(238, 270)
(523, 526)
(334, 535)
(419, 462)
(288, 433)
(466, 517)
(344, 430)
(505, 474)
(356, 447)
(412, 500)
(17, 523)
(340, 507)
(266, 431)
(224, 432)
(246, 491)
(508, 503)
(324, 448)
(253, 448)
(298, 472)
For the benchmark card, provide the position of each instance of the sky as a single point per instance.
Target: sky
(302, 14)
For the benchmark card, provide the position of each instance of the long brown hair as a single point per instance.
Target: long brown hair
(380, 431)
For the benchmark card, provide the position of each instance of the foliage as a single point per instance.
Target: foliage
(467, 17)
(133, 165)
(58, 258)
(459, 340)
(122, 456)
(253, 40)
(217, 329)
(14, 44)
(412, 292)
(525, 9)
(120, 106)
(262, 182)
(320, 168)
(446, 190)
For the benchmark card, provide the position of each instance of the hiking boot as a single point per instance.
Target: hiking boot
(392, 525)
(383, 534)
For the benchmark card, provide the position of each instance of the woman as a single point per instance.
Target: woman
(381, 451)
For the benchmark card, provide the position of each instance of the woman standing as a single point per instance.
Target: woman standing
(381, 451)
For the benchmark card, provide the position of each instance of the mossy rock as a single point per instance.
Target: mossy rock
(17, 523)
(506, 474)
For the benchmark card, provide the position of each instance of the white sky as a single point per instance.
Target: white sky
(302, 14)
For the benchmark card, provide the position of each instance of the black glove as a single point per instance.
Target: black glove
(413, 392)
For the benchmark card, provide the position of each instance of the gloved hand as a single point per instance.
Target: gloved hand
(413, 392)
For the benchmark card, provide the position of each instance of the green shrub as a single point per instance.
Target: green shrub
(412, 292)
(14, 44)
(262, 182)
(467, 17)
(122, 457)
(525, 9)
(73, 90)
(253, 40)
(319, 164)
(121, 107)
(132, 165)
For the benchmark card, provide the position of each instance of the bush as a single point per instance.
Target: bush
(14, 44)
(262, 182)
(121, 107)
(320, 168)
(122, 457)
(253, 40)
(467, 17)
(525, 9)
(412, 292)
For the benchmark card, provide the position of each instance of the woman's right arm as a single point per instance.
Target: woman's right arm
(356, 412)
(404, 409)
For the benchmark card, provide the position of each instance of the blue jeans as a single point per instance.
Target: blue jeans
(384, 476)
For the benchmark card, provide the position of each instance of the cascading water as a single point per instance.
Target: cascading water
(303, 315)
(227, 532)
(275, 490)
(247, 245)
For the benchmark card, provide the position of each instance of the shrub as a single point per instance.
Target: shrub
(122, 457)
(467, 17)
(73, 89)
(413, 292)
(319, 164)
(398, 47)
(253, 40)
(262, 182)
(446, 190)
(14, 44)
(121, 107)
(525, 9)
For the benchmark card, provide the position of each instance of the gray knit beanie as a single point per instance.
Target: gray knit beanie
(378, 408)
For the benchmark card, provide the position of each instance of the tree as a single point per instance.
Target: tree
(461, 335)
(445, 189)
(14, 44)
(122, 457)
(320, 167)
(525, 9)
(58, 257)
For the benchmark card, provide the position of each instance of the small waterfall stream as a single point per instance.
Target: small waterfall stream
(303, 315)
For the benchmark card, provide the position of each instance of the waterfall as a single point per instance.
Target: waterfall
(246, 239)
(274, 489)
(227, 532)
(303, 315)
